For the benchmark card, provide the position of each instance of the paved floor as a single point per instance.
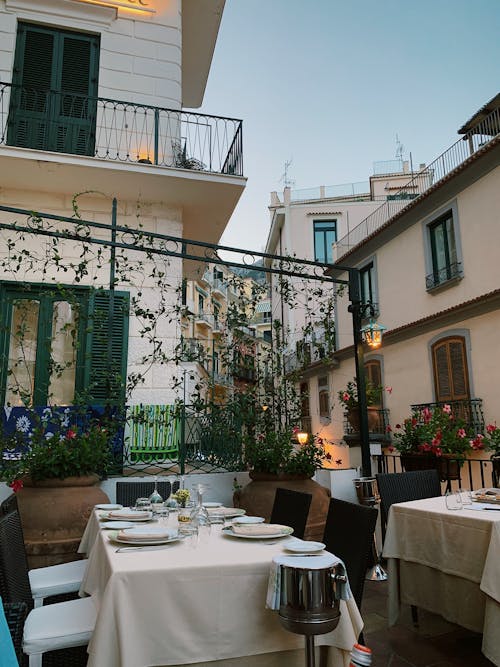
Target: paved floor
(435, 643)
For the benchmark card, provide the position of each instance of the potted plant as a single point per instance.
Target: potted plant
(434, 439)
(348, 397)
(276, 459)
(54, 466)
(491, 443)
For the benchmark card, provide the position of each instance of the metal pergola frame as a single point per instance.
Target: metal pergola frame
(173, 246)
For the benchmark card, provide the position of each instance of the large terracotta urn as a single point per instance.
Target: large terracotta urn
(257, 498)
(373, 416)
(54, 514)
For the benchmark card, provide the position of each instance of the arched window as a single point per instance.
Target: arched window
(451, 375)
(373, 370)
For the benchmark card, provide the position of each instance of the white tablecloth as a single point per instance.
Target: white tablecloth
(183, 605)
(448, 562)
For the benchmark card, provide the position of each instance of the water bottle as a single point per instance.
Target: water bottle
(361, 656)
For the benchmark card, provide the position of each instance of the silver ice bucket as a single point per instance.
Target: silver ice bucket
(308, 601)
(366, 490)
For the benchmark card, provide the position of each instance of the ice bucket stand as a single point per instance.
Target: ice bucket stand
(367, 492)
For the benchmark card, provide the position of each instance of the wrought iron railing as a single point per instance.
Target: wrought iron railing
(377, 425)
(453, 157)
(117, 130)
(471, 411)
(471, 474)
(449, 272)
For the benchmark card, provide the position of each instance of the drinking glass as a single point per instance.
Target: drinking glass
(453, 500)
(465, 496)
(217, 523)
(143, 504)
(190, 532)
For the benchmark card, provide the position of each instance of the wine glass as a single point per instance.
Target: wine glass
(155, 499)
(453, 500)
(143, 505)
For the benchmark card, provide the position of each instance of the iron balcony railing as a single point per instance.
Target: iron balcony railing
(449, 272)
(376, 428)
(479, 136)
(117, 130)
(471, 411)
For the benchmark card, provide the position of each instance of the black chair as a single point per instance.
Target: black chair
(349, 530)
(399, 487)
(15, 615)
(9, 504)
(291, 508)
(128, 492)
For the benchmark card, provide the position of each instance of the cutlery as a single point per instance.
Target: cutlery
(138, 548)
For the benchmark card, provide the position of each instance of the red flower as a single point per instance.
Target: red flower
(295, 429)
(477, 443)
(70, 434)
(491, 428)
(16, 485)
(388, 428)
(461, 433)
(426, 415)
(390, 448)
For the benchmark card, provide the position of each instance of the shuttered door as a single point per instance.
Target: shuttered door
(451, 377)
(54, 101)
(105, 378)
(374, 375)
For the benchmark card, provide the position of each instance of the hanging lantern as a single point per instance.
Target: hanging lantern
(372, 334)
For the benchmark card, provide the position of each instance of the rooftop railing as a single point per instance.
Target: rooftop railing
(453, 157)
(117, 130)
(332, 191)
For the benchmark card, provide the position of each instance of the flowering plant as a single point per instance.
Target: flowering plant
(181, 496)
(275, 452)
(492, 439)
(435, 432)
(349, 396)
(39, 451)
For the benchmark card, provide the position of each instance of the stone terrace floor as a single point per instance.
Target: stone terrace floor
(435, 643)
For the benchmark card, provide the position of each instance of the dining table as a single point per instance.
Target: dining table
(447, 561)
(196, 602)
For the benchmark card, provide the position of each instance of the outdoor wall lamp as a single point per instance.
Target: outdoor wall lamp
(302, 437)
(372, 334)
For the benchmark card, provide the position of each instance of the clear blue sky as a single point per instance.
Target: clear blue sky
(329, 84)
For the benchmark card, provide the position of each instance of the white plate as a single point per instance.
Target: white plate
(145, 543)
(128, 517)
(210, 504)
(300, 547)
(117, 525)
(249, 519)
(270, 536)
(108, 506)
(232, 512)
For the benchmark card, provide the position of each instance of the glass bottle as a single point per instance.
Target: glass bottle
(199, 515)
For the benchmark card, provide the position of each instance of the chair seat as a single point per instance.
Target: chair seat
(56, 579)
(59, 626)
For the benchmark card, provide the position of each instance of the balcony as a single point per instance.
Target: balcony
(377, 428)
(471, 411)
(204, 319)
(116, 130)
(450, 272)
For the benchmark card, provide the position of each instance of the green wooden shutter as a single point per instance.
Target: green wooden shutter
(54, 98)
(105, 379)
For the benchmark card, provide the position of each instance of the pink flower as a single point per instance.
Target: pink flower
(345, 397)
(16, 485)
(388, 428)
(461, 433)
(390, 448)
(437, 451)
(477, 443)
(70, 434)
(491, 428)
(295, 429)
(320, 441)
(426, 415)
(388, 390)
(447, 409)
(398, 425)
(425, 447)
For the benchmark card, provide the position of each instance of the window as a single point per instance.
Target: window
(54, 345)
(323, 396)
(374, 376)
(325, 234)
(367, 279)
(443, 250)
(451, 376)
(305, 410)
(53, 103)
(201, 304)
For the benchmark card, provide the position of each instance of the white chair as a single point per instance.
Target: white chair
(56, 580)
(58, 626)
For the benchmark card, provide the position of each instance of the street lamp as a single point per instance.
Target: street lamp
(302, 437)
(372, 335)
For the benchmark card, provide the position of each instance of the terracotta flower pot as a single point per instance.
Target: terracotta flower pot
(373, 415)
(257, 498)
(54, 514)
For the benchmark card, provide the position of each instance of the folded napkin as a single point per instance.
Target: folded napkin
(221, 510)
(342, 591)
(261, 529)
(129, 514)
(137, 535)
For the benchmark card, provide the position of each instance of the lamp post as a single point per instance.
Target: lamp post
(372, 334)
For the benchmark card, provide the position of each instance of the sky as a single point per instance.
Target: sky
(328, 85)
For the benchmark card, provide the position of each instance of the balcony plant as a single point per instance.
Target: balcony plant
(348, 397)
(435, 438)
(491, 443)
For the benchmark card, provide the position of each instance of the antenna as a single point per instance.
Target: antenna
(287, 182)
(399, 149)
